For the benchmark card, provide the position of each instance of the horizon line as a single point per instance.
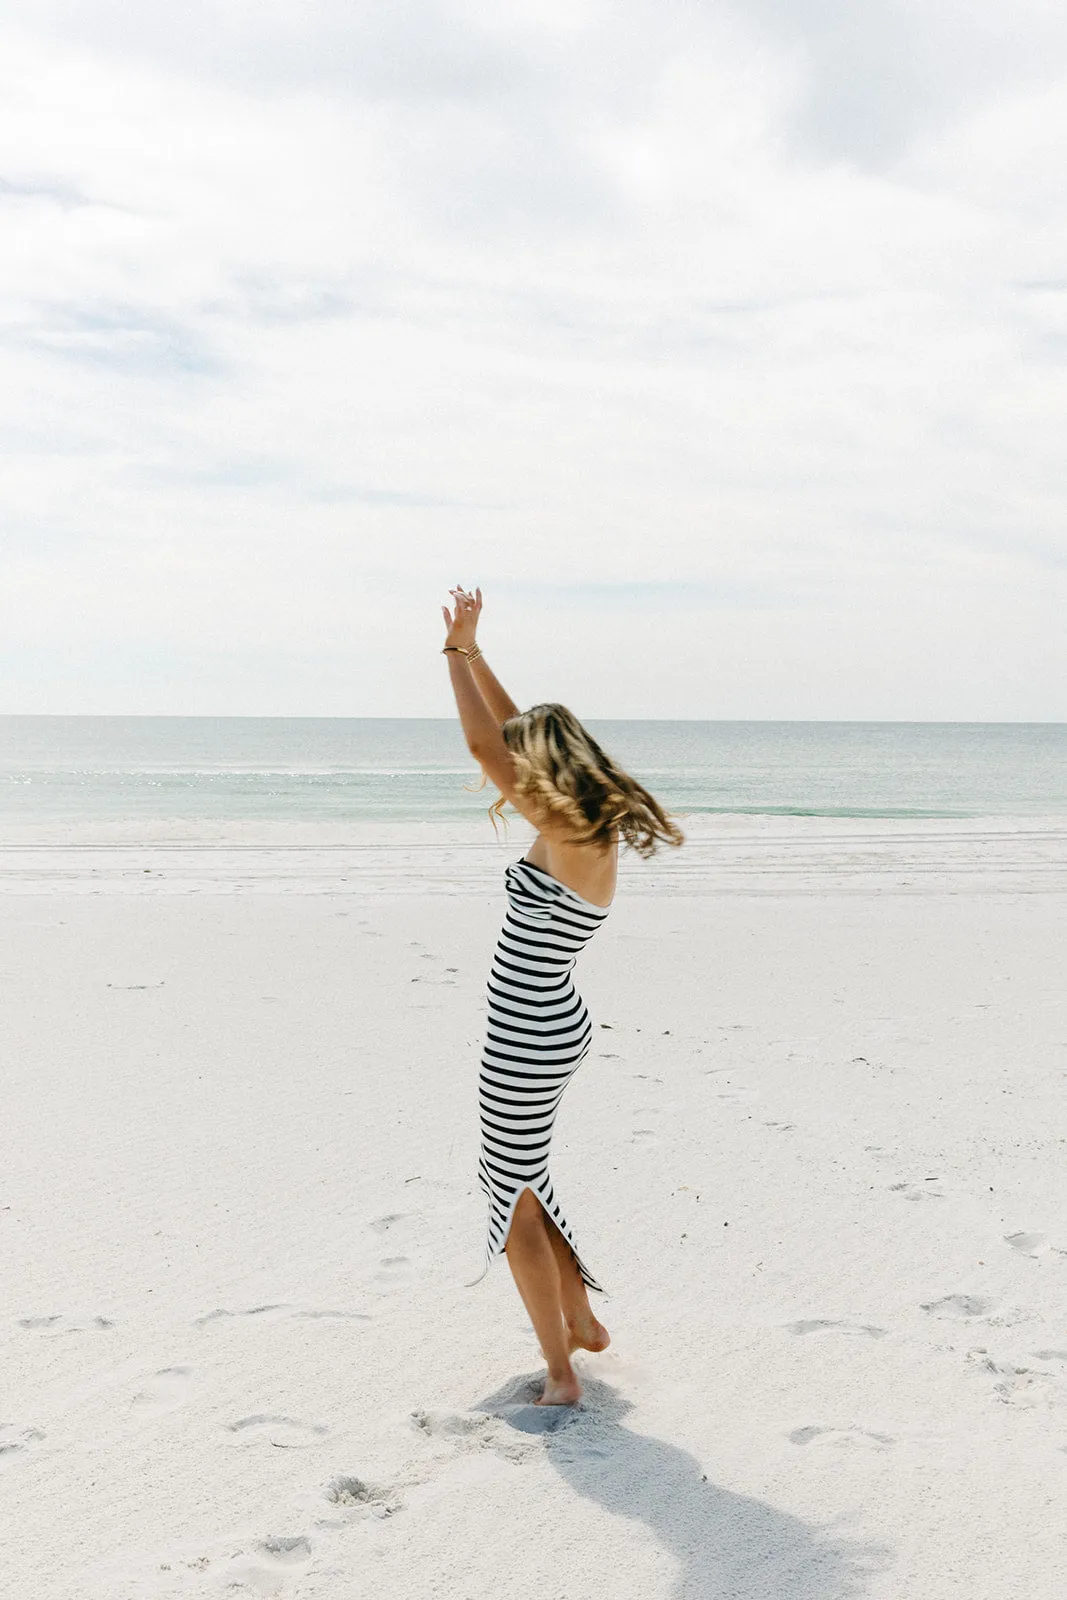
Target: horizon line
(281, 716)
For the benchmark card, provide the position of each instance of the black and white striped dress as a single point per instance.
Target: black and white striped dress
(538, 1036)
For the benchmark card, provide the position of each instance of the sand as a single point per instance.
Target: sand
(816, 1156)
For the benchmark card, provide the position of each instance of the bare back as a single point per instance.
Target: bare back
(590, 872)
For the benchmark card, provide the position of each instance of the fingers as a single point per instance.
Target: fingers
(467, 607)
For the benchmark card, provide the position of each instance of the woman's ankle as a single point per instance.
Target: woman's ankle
(577, 1316)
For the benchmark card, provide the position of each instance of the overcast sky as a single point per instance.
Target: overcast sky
(723, 345)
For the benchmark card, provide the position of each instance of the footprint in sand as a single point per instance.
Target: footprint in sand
(1028, 1244)
(354, 1495)
(285, 1432)
(1025, 1386)
(61, 1324)
(465, 1430)
(452, 1424)
(918, 1191)
(1026, 1389)
(164, 1391)
(269, 1566)
(959, 1305)
(393, 1271)
(13, 1439)
(842, 1438)
(274, 1313)
(390, 1221)
(823, 1325)
(270, 1313)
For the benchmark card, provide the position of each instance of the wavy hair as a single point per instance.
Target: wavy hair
(562, 770)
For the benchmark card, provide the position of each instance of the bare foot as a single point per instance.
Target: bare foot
(560, 1392)
(586, 1333)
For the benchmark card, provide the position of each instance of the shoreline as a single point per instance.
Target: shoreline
(723, 854)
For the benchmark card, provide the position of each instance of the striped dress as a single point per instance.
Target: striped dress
(538, 1035)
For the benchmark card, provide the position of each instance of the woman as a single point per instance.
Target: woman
(552, 771)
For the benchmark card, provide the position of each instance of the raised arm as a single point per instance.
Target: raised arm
(481, 722)
(500, 703)
(468, 610)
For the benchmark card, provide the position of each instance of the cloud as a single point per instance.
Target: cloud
(875, 78)
(130, 339)
(747, 320)
(50, 192)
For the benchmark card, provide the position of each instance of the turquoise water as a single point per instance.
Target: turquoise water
(218, 769)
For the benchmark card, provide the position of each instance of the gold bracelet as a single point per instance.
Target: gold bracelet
(472, 654)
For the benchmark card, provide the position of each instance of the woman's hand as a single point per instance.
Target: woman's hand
(463, 625)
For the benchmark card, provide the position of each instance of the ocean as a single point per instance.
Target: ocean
(213, 771)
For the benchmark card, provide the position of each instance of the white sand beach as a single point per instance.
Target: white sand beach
(816, 1156)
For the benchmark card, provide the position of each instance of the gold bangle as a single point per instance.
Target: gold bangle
(473, 653)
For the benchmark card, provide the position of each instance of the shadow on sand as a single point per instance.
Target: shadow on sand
(725, 1544)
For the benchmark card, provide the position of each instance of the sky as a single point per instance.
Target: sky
(723, 345)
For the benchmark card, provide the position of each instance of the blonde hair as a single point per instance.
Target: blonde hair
(560, 768)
